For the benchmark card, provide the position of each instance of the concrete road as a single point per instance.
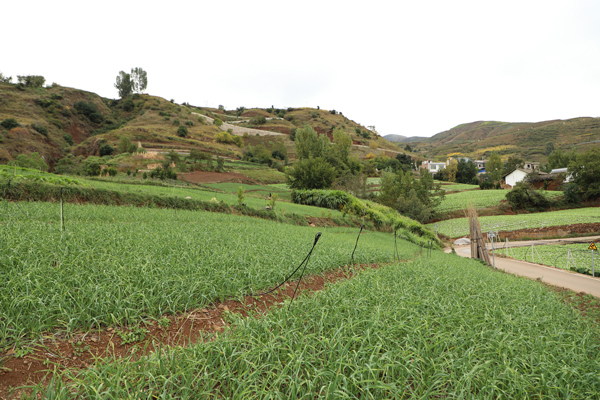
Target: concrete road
(552, 276)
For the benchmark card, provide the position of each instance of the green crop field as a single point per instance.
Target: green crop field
(572, 257)
(260, 191)
(455, 187)
(460, 226)
(439, 327)
(479, 199)
(118, 265)
(206, 195)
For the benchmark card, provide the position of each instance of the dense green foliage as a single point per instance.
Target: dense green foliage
(10, 123)
(381, 216)
(415, 198)
(442, 327)
(524, 196)
(585, 170)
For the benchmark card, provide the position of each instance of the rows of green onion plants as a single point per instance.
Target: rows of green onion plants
(118, 265)
(460, 226)
(439, 327)
(479, 199)
(572, 257)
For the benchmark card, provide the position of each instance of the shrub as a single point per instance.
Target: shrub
(278, 154)
(524, 196)
(40, 128)
(201, 121)
(112, 171)
(189, 123)
(176, 122)
(258, 120)
(182, 131)
(89, 110)
(240, 195)
(128, 105)
(218, 122)
(31, 80)
(164, 114)
(69, 139)
(10, 123)
(106, 150)
(45, 103)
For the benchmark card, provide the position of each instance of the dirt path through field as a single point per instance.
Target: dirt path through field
(553, 276)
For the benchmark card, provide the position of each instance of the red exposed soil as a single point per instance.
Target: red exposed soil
(81, 350)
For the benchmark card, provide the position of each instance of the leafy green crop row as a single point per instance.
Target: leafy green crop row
(479, 199)
(460, 226)
(573, 257)
(442, 327)
(118, 265)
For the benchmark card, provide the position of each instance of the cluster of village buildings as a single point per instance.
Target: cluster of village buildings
(510, 179)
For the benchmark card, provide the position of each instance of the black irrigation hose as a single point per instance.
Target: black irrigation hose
(358, 237)
(317, 236)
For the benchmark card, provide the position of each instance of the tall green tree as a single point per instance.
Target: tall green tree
(466, 171)
(342, 143)
(124, 84)
(309, 144)
(139, 80)
(494, 167)
(415, 198)
(511, 164)
(560, 159)
(585, 170)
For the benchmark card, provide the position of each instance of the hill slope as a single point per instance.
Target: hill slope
(523, 139)
(77, 122)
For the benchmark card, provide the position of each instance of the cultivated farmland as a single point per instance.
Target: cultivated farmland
(479, 199)
(572, 257)
(441, 327)
(460, 226)
(118, 265)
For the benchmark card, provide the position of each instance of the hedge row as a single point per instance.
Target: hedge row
(381, 216)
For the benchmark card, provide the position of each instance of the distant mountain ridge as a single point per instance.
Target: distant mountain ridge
(404, 139)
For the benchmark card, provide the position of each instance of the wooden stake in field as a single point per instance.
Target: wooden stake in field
(478, 249)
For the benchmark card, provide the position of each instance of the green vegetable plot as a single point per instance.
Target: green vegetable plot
(460, 226)
(118, 265)
(573, 257)
(479, 199)
(443, 327)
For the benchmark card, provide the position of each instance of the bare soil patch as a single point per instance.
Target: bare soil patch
(82, 350)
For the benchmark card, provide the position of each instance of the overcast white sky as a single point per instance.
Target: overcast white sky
(413, 68)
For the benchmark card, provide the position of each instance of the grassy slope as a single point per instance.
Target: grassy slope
(524, 140)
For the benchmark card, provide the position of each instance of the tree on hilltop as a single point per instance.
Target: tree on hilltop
(139, 79)
(124, 84)
(127, 84)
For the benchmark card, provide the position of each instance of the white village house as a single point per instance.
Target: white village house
(519, 174)
(433, 167)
